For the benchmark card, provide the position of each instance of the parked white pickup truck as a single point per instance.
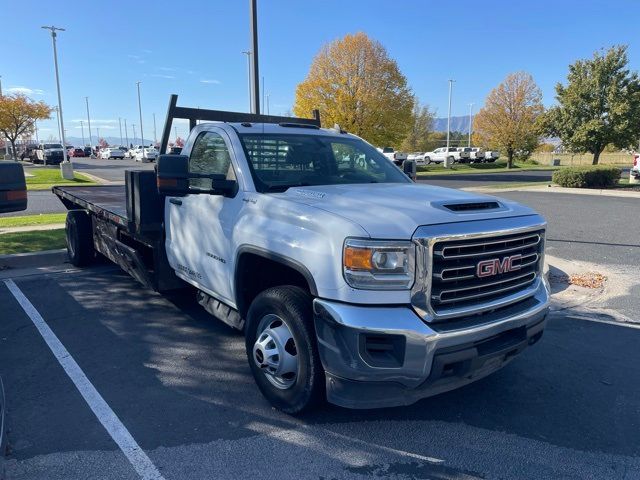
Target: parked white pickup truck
(440, 154)
(396, 157)
(349, 281)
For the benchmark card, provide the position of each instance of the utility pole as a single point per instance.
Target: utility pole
(140, 111)
(255, 74)
(55, 62)
(89, 122)
(120, 124)
(126, 133)
(248, 54)
(6, 142)
(446, 156)
(82, 128)
(155, 135)
(470, 122)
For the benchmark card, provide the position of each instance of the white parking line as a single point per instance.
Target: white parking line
(109, 420)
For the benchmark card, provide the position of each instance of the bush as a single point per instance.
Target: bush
(587, 177)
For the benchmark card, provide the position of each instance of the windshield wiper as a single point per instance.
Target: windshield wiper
(282, 188)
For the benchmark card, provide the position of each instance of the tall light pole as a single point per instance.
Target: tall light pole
(470, 122)
(89, 122)
(175, 131)
(267, 105)
(82, 128)
(55, 62)
(6, 143)
(120, 124)
(126, 132)
(447, 164)
(155, 135)
(248, 54)
(140, 111)
(134, 132)
(98, 128)
(255, 74)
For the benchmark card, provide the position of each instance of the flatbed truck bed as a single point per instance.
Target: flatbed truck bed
(127, 226)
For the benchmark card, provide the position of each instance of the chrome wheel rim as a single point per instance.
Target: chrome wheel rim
(275, 352)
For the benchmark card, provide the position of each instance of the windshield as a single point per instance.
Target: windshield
(387, 150)
(52, 145)
(281, 161)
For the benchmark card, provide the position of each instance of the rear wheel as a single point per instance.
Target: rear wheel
(427, 160)
(282, 350)
(79, 238)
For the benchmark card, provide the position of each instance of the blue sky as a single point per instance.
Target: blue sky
(194, 49)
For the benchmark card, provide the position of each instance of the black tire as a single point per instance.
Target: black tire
(79, 238)
(292, 304)
(427, 160)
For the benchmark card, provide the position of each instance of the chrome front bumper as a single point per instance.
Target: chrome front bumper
(417, 359)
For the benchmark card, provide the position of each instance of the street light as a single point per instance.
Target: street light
(470, 122)
(140, 111)
(155, 135)
(55, 62)
(446, 155)
(134, 132)
(82, 128)
(126, 132)
(248, 54)
(98, 128)
(89, 121)
(120, 124)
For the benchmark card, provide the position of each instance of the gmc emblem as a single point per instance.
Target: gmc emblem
(489, 268)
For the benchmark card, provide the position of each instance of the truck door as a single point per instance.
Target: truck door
(200, 225)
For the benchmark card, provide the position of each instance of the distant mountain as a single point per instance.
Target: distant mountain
(458, 124)
(115, 141)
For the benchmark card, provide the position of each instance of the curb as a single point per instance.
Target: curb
(95, 178)
(548, 189)
(34, 259)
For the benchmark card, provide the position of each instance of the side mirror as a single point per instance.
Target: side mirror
(13, 187)
(174, 178)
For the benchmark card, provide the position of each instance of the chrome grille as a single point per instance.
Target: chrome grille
(455, 281)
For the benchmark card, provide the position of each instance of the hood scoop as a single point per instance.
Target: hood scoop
(472, 207)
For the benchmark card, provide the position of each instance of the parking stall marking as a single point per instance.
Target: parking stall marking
(107, 417)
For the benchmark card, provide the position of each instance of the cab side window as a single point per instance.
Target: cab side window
(209, 155)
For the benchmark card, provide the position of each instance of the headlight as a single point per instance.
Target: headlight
(378, 264)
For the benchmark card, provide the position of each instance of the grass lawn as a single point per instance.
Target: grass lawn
(23, 242)
(462, 168)
(28, 220)
(45, 178)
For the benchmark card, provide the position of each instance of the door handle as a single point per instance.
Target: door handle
(175, 201)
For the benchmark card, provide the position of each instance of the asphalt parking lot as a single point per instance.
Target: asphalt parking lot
(178, 382)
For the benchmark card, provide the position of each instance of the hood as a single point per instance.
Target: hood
(393, 210)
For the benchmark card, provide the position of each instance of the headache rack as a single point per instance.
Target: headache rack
(196, 114)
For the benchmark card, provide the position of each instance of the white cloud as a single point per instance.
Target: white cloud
(25, 90)
(216, 82)
(167, 69)
(135, 57)
(160, 75)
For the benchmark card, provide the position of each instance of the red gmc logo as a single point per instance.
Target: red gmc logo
(494, 266)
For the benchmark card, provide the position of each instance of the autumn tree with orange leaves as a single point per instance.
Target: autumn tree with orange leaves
(18, 114)
(354, 83)
(508, 119)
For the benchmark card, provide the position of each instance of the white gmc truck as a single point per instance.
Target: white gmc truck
(350, 282)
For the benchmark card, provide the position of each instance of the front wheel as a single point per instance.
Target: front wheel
(427, 160)
(282, 350)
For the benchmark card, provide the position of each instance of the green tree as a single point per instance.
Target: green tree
(508, 120)
(354, 83)
(600, 105)
(417, 140)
